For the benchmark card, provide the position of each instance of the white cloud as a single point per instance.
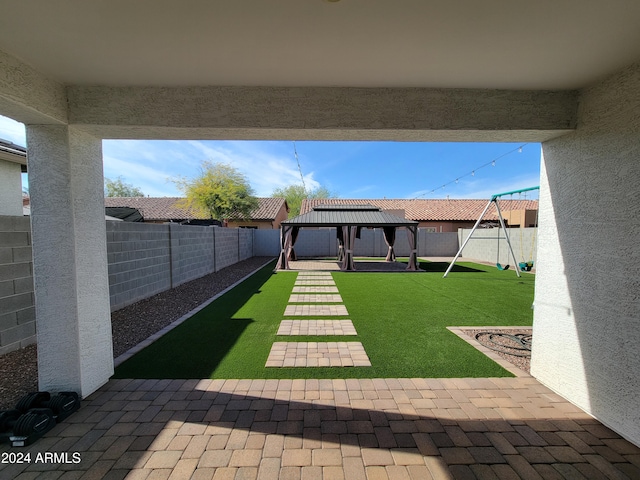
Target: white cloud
(265, 171)
(152, 182)
(12, 131)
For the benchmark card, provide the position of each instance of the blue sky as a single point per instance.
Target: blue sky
(347, 169)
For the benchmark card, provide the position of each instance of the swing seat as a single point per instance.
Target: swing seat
(500, 267)
(526, 266)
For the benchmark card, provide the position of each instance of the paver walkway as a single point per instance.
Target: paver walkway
(311, 303)
(500, 428)
(317, 327)
(318, 354)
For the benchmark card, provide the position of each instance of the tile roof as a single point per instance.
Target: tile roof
(430, 209)
(166, 208)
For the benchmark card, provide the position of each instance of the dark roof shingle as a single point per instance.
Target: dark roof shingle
(430, 209)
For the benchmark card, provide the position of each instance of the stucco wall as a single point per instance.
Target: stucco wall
(587, 308)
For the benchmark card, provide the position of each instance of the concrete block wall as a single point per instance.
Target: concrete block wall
(246, 242)
(143, 259)
(322, 243)
(226, 246)
(139, 259)
(266, 243)
(316, 242)
(485, 246)
(17, 311)
(432, 244)
(192, 253)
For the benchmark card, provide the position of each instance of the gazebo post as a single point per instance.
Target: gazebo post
(412, 232)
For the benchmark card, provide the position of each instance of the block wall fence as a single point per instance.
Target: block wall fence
(17, 311)
(484, 245)
(145, 259)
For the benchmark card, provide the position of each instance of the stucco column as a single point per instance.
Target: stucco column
(69, 259)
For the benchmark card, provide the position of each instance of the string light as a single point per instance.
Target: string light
(295, 152)
(472, 173)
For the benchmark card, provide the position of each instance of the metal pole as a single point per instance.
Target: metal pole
(493, 197)
(468, 237)
(506, 236)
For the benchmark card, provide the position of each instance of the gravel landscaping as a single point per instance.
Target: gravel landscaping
(130, 325)
(522, 361)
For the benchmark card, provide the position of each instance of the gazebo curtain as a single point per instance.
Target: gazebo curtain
(412, 235)
(390, 238)
(346, 236)
(294, 236)
(285, 244)
(349, 236)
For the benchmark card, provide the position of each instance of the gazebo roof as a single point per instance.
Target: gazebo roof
(354, 215)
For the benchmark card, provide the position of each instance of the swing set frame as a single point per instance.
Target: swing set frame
(493, 199)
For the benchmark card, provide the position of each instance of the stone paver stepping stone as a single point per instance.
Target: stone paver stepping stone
(315, 289)
(315, 282)
(314, 277)
(320, 274)
(314, 298)
(315, 310)
(318, 354)
(316, 327)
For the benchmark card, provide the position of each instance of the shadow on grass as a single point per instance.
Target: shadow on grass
(200, 343)
(441, 267)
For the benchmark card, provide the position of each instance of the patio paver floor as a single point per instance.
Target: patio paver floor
(368, 428)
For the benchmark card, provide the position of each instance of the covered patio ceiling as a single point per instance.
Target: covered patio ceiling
(498, 44)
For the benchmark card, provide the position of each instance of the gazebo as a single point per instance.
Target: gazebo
(348, 220)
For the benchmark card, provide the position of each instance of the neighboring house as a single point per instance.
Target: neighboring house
(13, 162)
(444, 215)
(269, 214)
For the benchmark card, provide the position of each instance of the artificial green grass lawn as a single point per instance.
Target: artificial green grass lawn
(401, 320)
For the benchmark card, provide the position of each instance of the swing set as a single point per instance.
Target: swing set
(524, 266)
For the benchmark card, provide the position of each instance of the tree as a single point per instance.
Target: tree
(220, 192)
(294, 194)
(117, 188)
